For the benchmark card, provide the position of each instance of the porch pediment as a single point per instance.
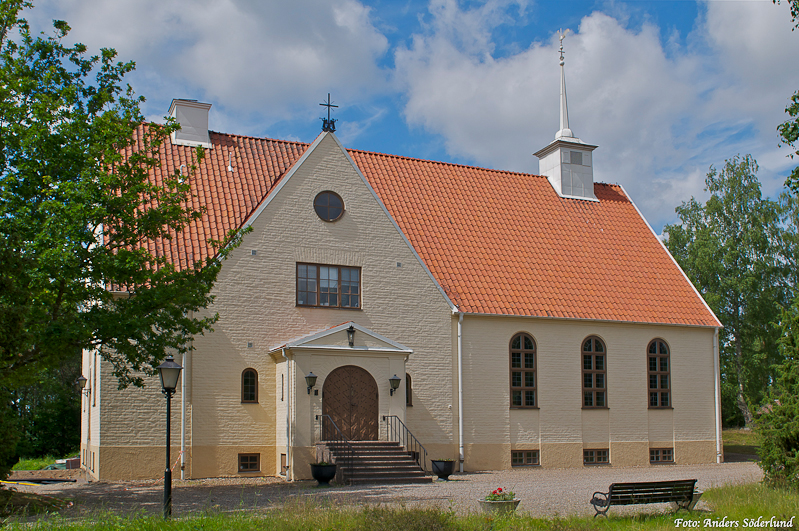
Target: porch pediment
(336, 339)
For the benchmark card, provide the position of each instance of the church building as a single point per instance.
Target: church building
(495, 318)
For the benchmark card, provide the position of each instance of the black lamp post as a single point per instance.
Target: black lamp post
(169, 371)
(351, 335)
(394, 381)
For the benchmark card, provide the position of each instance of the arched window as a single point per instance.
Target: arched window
(408, 391)
(249, 386)
(595, 385)
(659, 374)
(522, 371)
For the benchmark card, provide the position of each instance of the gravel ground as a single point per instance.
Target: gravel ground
(543, 492)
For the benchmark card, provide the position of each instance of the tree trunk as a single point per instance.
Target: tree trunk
(741, 401)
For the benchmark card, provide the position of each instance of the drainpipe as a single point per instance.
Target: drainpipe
(460, 390)
(717, 383)
(183, 417)
(288, 414)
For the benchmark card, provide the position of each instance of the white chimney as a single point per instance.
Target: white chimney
(566, 161)
(193, 119)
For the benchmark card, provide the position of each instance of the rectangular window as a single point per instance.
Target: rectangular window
(661, 455)
(595, 457)
(328, 286)
(594, 388)
(249, 462)
(524, 458)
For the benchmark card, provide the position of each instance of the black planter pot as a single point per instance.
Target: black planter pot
(442, 469)
(323, 474)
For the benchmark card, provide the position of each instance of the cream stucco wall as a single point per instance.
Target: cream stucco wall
(255, 297)
(561, 428)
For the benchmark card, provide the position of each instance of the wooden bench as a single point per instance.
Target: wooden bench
(680, 492)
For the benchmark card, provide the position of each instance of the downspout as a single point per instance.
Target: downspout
(183, 418)
(460, 390)
(717, 383)
(288, 414)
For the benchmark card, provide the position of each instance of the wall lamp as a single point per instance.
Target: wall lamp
(394, 381)
(351, 335)
(80, 383)
(310, 379)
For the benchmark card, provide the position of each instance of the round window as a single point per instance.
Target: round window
(329, 206)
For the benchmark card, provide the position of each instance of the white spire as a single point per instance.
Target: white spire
(564, 109)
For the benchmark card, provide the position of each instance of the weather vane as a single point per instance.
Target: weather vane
(329, 124)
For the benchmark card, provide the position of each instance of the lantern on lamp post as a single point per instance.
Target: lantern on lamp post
(169, 371)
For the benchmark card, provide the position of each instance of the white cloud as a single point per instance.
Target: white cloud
(239, 53)
(660, 116)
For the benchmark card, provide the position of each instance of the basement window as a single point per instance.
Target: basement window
(595, 457)
(524, 458)
(661, 455)
(249, 463)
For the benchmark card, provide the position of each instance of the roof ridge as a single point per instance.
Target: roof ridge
(455, 164)
(296, 142)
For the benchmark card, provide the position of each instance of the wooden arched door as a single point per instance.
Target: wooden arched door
(349, 396)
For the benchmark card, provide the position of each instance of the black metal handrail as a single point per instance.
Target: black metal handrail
(398, 431)
(329, 432)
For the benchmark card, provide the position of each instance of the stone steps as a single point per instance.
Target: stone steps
(375, 462)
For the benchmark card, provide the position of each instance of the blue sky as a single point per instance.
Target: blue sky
(664, 88)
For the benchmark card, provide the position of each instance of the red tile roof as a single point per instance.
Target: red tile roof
(497, 242)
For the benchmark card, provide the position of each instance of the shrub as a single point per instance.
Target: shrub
(778, 424)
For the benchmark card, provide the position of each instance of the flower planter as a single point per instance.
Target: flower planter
(499, 507)
(442, 469)
(323, 474)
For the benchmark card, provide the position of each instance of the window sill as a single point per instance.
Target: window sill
(596, 464)
(249, 401)
(526, 466)
(596, 407)
(249, 471)
(658, 463)
(524, 407)
(326, 307)
(661, 407)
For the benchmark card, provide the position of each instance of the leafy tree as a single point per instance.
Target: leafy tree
(77, 211)
(731, 248)
(9, 434)
(789, 130)
(48, 411)
(778, 425)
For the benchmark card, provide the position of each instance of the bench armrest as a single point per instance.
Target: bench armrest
(600, 499)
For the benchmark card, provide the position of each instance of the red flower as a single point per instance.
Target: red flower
(499, 489)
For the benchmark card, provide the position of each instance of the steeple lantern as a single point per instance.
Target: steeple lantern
(567, 161)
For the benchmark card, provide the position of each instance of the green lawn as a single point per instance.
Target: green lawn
(742, 504)
(740, 441)
(34, 463)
